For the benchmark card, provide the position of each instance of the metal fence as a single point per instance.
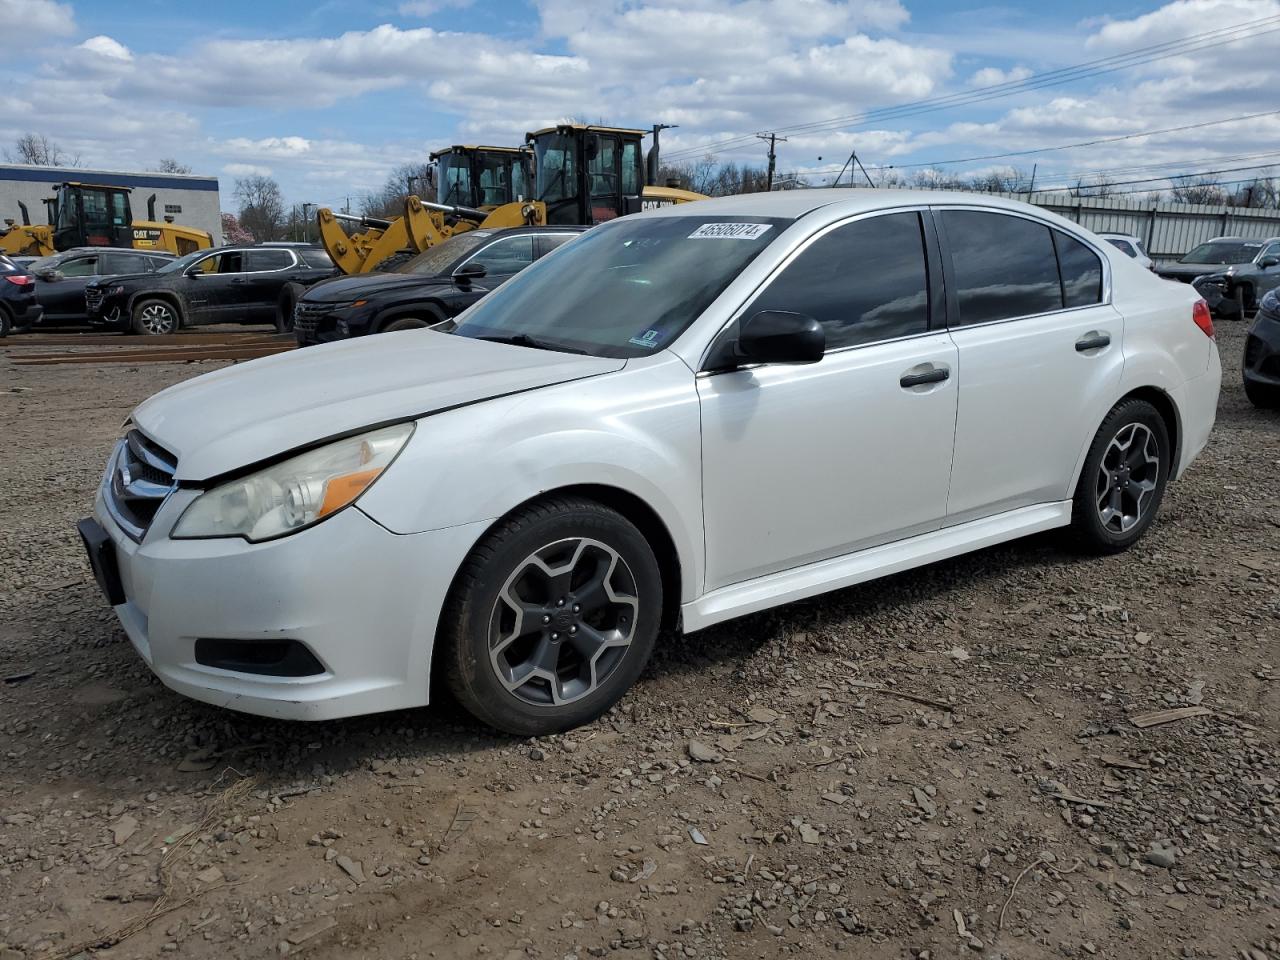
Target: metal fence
(1168, 230)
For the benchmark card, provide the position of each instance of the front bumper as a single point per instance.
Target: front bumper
(324, 323)
(110, 311)
(1262, 351)
(365, 602)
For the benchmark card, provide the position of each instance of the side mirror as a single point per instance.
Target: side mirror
(1266, 263)
(48, 276)
(469, 271)
(772, 336)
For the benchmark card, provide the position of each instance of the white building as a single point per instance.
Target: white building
(191, 201)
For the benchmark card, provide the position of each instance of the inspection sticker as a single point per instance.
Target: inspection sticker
(731, 231)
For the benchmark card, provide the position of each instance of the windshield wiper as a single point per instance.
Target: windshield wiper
(524, 340)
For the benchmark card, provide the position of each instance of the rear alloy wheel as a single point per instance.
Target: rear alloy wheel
(155, 318)
(1124, 477)
(552, 618)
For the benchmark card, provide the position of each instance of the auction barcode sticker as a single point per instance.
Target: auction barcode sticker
(730, 231)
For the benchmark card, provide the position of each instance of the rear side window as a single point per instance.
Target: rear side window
(1004, 266)
(316, 259)
(1081, 271)
(864, 282)
(550, 241)
(261, 260)
(506, 256)
(1124, 246)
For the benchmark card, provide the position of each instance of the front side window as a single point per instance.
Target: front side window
(625, 289)
(1081, 271)
(79, 267)
(230, 262)
(1272, 251)
(1004, 266)
(865, 282)
(441, 257)
(506, 257)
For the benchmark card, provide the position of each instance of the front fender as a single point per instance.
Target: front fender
(636, 431)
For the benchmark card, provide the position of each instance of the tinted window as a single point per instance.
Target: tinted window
(126, 263)
(1124, 246)
(506, 256)
(316, 259)
(270, 260)
(1004, 266)
(1081, 271)
(79, 267)
(552, 240)
(1223, 251)
(229, 262)
(864, 282)
(155, 263)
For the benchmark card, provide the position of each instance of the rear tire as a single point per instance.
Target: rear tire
(1124, 478)
(155, 318)
(552, 617)
(284, 309)
(1261, 395)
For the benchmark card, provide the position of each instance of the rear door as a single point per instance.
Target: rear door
(269, 269)
(63, 297)
(1039, 351)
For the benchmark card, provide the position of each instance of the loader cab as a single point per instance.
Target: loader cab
(482, 177)
(90, 215)
(587, 174)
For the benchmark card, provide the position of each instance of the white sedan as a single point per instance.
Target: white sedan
(680, 417)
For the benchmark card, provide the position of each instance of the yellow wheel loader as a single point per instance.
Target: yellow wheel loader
(97, 215)
(584, 175)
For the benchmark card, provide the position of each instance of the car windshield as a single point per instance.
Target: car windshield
(177, 266)
(438, 259)
(625, 289)
(1223, 251)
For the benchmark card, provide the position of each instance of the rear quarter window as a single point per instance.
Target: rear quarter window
(1081, 271)
(316, 259)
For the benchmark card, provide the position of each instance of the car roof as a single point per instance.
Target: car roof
(797, 203)
(78, 250)
(1121, 236)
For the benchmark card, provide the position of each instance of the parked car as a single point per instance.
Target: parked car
(242, 284)
(1262, 354)
(1231, 273)
(433, 287)
(62, 277)
(683, 416)
(18, 305)
(1130, 246)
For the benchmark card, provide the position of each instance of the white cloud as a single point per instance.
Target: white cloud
(425, 8)
(246, 170)
(104, 46)
(990, 76)
(32, 19)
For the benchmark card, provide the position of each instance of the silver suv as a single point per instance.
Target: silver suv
(1231, 273)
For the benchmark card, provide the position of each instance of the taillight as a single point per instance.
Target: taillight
(20, 279)
(1203, 319)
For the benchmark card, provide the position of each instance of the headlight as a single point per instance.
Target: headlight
(114, 291)
(296, 493)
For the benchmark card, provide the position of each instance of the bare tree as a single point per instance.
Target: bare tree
(39, 151)
(170, 165)
(406, 179)
(1198, 190)
(262, 211)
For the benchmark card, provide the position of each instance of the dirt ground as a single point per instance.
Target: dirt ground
(941, 764)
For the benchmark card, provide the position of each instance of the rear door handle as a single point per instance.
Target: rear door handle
(936, 375)
(1093, 341)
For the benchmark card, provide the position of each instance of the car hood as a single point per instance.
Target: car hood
(258, 410)
(1200, 269)
(346, 289)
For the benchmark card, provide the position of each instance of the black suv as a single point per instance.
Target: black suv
(62, 277)
(433, 287)
(249, 284)
(18, 306)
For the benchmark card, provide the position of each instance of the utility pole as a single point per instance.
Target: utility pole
(1032, 189)
(773, 139)
(306, 221)
(654, 159)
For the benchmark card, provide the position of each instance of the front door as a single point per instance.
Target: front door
(1040, 359)
(804, 463)
(216, 288)
(61, 293)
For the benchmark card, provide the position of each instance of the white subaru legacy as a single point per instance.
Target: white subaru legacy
(679, 417)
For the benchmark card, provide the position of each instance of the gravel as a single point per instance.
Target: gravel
(771, 788)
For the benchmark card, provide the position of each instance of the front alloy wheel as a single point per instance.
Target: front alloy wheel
(563, 622)
(552, 617)
(155, 318)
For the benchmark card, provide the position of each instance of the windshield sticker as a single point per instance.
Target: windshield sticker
(648, 339)
(730, 231)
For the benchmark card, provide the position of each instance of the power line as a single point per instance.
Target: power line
(1136, 57)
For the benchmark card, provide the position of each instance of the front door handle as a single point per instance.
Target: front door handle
(1093, 341)
(936, 375)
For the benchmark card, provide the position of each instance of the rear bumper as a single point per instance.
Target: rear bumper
(1197, 403)
(28, 314)
(362, 601)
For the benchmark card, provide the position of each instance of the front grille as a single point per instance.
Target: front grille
(307, 317)
(93, 298)
(141, 477)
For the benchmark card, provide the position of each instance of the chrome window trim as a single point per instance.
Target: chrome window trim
(790, 258)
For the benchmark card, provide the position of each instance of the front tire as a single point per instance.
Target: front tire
(155, 318)
(284, 309)
(1261, 395)
(1124, 478)
(552, 617)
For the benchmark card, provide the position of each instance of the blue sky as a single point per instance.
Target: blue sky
(329, 96)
